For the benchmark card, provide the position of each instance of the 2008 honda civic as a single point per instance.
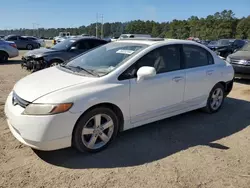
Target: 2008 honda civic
(115, 87)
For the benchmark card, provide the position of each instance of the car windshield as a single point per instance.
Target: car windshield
(65, 44)
(223, 42)
(104, 59)
(246, 47)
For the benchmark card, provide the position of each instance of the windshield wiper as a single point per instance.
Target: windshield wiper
(85, 70)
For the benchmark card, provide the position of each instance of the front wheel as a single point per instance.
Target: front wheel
(55, 63)
(95, 130)
(215, 99)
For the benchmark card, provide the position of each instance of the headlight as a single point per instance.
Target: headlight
(46, 109)
(228, 59)
(38, 56)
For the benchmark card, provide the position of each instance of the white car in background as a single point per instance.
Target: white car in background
(115, 87)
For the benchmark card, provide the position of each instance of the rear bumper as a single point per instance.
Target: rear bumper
(13, 53)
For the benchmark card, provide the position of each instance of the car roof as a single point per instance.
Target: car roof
(154, 41)
(84, 37)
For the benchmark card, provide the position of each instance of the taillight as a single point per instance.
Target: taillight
(13, 45)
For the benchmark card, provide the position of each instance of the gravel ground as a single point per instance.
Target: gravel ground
(193, 150)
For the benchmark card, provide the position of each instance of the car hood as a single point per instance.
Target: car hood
(242, 55)
(47, 81)
(40, 52)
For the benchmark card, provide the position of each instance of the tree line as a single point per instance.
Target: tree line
(220, 25)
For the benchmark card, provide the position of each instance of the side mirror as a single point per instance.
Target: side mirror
(73, 48)
(145, 72)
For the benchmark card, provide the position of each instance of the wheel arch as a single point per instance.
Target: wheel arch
(228, 86)
(111, 106)
(55, 59)
(2, 51)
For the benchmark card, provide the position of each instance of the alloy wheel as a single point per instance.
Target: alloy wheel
(216, 98)
(97, 132)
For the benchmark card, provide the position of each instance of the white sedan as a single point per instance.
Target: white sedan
(115, 87)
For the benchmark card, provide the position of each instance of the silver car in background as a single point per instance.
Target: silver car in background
(22, 42)
(7, 50)
(40, 41)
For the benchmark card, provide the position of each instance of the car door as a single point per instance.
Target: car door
(23, 42)
(201, 74)
(161, 94)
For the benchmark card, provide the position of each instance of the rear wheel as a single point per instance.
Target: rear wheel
(3, 57)
(29, 47)
(215, 99)
(95, 130)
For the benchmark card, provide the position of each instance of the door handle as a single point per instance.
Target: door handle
(210, 72)
(177, 78)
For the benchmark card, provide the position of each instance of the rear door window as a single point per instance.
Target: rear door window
(12, 38)
(82, 45)
(196, 56)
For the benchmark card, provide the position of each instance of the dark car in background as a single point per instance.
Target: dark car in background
(240, 61)
(46, 57)
(22, 42)
(205, 42)
(225, 47)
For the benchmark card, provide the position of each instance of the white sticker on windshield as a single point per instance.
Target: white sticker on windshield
(72, 40)
(129, 52)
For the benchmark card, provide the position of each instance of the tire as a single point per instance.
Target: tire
(55, 62)
(84, 130)
(213, 106)
(3, 57)
(29, 47)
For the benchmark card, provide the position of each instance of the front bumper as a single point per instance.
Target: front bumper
(48, 132)
(242, 71)
(33, 65)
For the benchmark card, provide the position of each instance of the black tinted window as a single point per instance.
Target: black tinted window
(241, 43)
(196, 56)
(22, 38)
(94, 43)
(12, 38)
(82, 45)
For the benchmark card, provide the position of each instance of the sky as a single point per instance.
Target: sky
(74, 13)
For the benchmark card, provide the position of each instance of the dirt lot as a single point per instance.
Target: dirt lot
(193, 150)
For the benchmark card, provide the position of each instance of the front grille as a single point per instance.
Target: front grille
(16, 100)
(238, 62)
